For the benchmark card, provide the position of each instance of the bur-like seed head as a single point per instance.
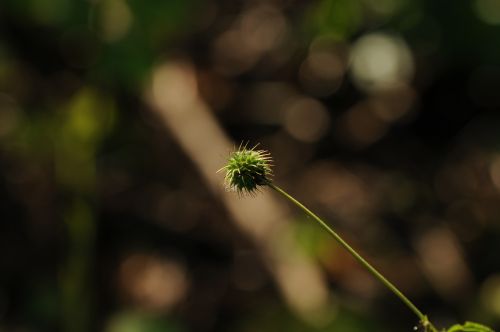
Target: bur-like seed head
(247, 170)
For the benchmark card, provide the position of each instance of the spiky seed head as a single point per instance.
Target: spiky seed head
(247, 169)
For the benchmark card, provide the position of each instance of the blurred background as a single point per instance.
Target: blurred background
(382, 116)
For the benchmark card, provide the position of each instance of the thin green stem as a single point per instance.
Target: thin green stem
(423, 318)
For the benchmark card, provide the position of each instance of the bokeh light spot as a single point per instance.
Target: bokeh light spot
(488, 11)
(116, 19)
(152, 282)
(360, 127)
(495, 171)
(321, 72)
(490, 294)
(306, 119)
(259, 30)
(380, 61)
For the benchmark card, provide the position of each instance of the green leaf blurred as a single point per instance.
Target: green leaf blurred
(469, 327)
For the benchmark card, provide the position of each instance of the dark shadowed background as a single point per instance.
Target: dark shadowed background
(382, 116)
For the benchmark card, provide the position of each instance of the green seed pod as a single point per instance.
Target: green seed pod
(247, 169)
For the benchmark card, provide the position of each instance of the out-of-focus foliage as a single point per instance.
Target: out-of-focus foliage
(380, 115)
(469, 326)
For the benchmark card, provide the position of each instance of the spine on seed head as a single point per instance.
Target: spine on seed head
(247, 169)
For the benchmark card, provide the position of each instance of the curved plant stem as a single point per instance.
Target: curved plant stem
(428, 326)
